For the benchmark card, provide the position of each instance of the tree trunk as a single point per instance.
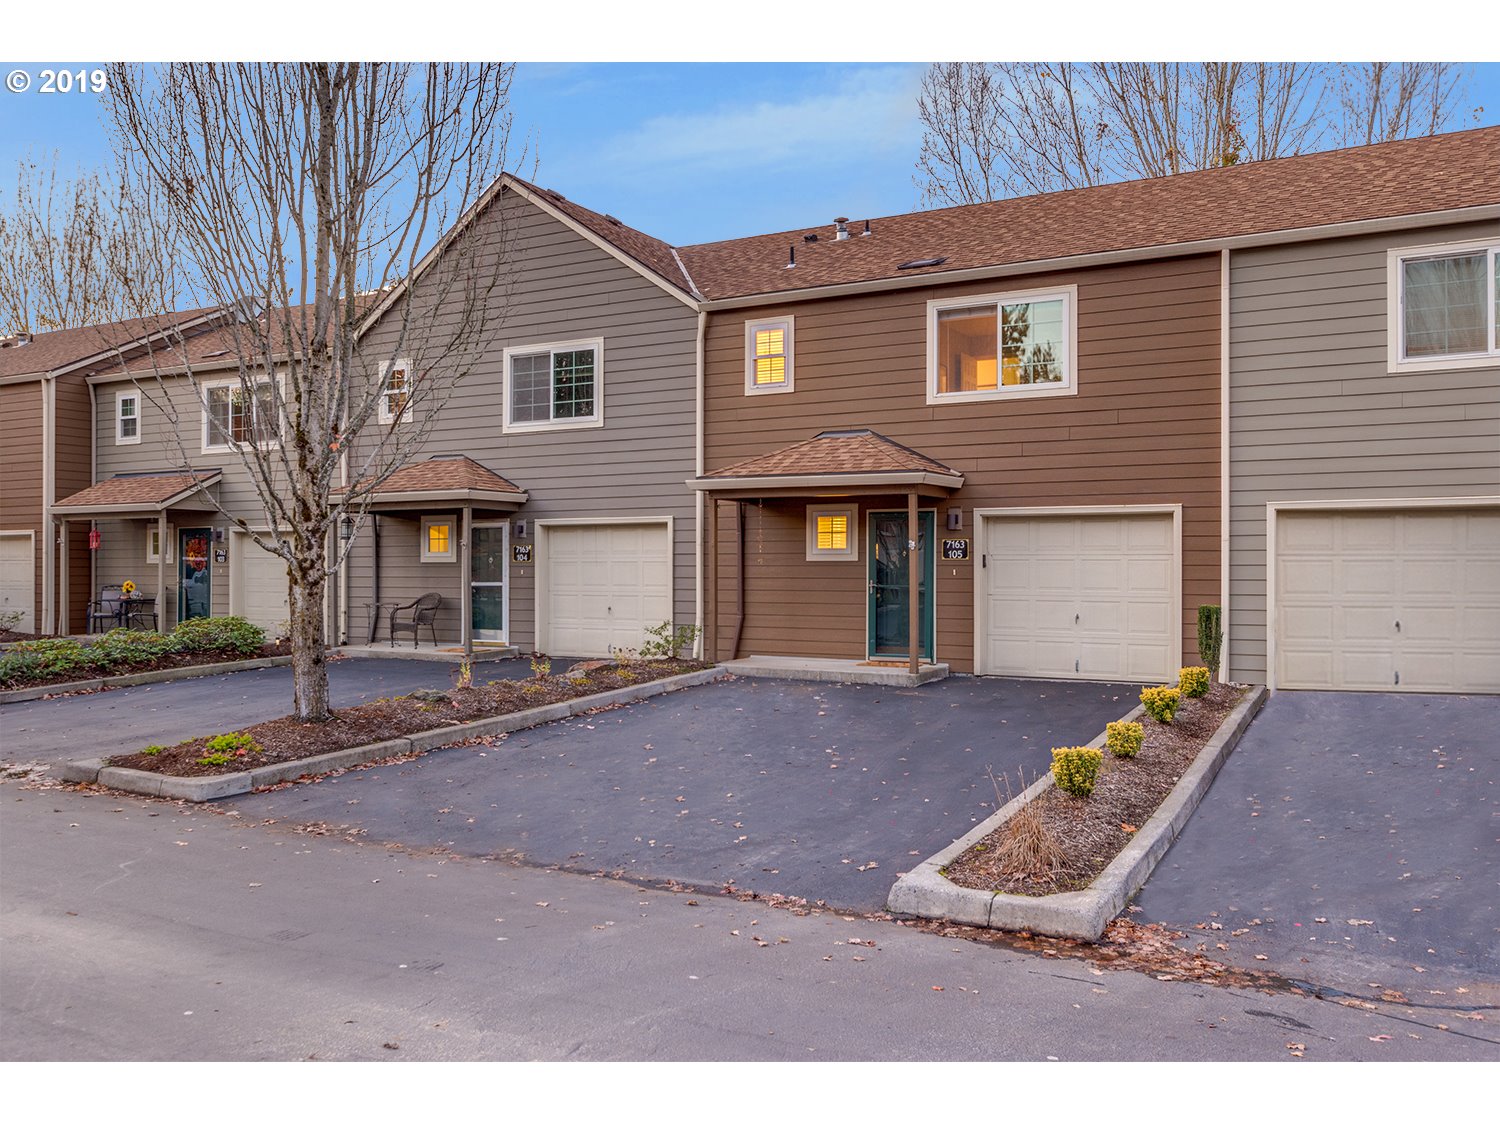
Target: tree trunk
(309, 644)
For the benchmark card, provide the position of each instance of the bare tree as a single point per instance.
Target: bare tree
(64, 247)
(302, 195)
(992, 130)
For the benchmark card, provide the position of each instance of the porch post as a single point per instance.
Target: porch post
(62, 579)
(466, 584)
(913, 590)
(711, 613)
(161, 571)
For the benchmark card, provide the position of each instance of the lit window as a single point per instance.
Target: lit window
(1445, 309)
(830, 533)
(995, 347)
(233, 417)
(768, 356)
(395, 392)
(437, 539)
(556, 386)
(128, 418)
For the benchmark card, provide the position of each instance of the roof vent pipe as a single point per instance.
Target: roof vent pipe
(841, 228)
(791, 257)
(866, 232)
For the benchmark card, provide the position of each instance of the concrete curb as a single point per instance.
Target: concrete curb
(925, 893)
(93, 771)
(132, 679)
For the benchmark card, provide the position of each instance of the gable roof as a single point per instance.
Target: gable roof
(1400, 178)
(50, 351)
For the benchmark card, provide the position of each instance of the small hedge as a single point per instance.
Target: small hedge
(1076, 768)
(1193, 682)
(123, 650)
(1161, 703)
(1124, 739)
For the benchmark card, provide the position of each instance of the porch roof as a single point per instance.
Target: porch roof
(127, 494)
(449, 479)
(835, 462)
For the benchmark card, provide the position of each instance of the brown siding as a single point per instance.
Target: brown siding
(74, 473)
(21, 473)
(1142, 429)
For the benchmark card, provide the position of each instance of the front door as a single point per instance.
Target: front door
(487, 569)
(194, 575)
(890, 586)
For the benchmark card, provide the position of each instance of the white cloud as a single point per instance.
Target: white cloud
(865, 110)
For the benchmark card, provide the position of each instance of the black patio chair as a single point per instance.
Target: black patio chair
(412, 616)
(106, 609)
(137, 610)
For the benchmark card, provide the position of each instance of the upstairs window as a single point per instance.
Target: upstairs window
(997, 346)
(1445, 306)
(128, 418)
(395, 391)
(554, 386)
(768, 356)
(233, 416)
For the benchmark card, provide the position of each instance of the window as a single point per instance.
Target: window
(554, 386)
(232, 417)
(438, 542)
(128, 418)
(1001, 345)
(768, 356)
(153, 544)
(395, 391)
(1444, 306)
(831, 534)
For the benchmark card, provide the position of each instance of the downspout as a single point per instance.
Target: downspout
(49, 495)
(1224, 464)
(698, 505)
(739, 576)
(93, 480)
(374, 576)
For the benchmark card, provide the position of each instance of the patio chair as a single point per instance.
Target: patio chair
(137, 610)
(412, 616)
(106, 610)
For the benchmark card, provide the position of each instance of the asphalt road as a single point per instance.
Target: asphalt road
(137, 929)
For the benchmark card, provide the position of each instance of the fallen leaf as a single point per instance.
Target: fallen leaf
(1360, 922)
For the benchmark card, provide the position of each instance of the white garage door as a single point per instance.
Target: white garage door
(262, 586)
(1080, 597)
(1388, 601)
(606, 584)
(18, 580)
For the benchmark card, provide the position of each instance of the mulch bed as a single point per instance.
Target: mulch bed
(288, 740)
(1091, 831)
(172, 660)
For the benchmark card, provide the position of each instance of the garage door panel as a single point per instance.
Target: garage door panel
(1080, 596)
(262, 580)
(1436, 572)
(606, 585)
(18, 580)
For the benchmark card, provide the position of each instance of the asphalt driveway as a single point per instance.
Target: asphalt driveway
(123, 720)
(1355, 839)
(820, 791)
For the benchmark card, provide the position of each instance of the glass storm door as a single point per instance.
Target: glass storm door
(194, 575)
(487, 569)
(889, 585)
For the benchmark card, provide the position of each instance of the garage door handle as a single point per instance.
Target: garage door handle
(1077, 617)
(1398, 626)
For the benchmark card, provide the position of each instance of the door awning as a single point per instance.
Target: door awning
(446, 480)
(141, 494)
(834, 463)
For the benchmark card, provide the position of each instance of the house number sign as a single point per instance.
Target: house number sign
(520, 552)
(955, 549)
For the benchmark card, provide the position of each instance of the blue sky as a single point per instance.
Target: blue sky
(689, 152)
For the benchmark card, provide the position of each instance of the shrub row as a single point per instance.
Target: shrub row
(125, 650)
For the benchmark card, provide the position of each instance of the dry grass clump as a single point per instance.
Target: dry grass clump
(1028, 846)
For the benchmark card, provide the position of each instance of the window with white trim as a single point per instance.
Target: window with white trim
(439, 541)
(554, 386)
(1001, 345)
(395, 391)
(233, 417)
(768, 356)
(832, 533)
(153, 544)
(128, 418)
(1445, 306)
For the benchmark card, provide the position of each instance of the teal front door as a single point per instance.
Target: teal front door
(487, 568)
(194, 575)
(890, 592)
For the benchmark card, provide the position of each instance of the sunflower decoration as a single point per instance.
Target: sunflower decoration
(127, 588)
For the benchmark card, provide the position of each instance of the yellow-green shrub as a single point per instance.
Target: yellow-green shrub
(1075, 769)
(1161, 703)
(1124, 739)
(1193, 682)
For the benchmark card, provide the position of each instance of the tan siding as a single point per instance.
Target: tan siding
(1143, 429)
(1316, 416)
